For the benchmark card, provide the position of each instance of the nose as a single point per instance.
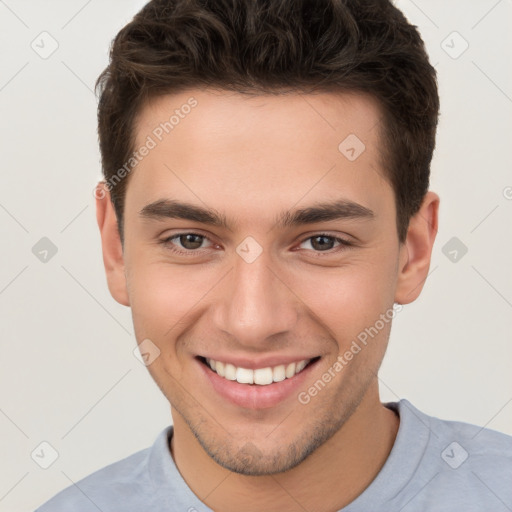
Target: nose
(255, 303)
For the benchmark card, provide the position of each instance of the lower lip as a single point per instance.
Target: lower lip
(253, 396)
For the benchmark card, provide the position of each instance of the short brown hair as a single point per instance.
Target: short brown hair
(274, 46)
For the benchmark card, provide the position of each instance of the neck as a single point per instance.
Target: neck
(329, 479)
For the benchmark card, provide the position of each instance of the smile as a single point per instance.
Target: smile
(270, 381)
(259, 376)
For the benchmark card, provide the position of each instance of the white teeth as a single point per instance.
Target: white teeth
(229, 372)
(279, 373)
(263, 376)
(299, 367)
(219, 368)
(260, 376)
(244, 376)
(290, 371)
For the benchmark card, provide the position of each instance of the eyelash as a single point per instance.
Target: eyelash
(343, 244)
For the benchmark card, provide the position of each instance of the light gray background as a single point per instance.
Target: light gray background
(67, 372)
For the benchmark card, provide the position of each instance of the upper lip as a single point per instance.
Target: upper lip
(253, 363)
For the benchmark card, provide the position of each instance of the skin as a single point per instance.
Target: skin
(250, 159)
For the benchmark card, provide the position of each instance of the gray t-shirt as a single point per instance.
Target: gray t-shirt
(434, 465)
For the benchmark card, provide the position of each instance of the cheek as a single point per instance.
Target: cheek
(162, 295)
(349, 298)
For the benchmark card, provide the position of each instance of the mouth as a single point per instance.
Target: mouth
(255, 388)
(258, 376)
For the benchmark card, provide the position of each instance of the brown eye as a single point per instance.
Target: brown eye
(186, 243)
(325, 243)
(322, 242)
(190, 241)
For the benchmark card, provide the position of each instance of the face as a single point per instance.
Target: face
(253, 241)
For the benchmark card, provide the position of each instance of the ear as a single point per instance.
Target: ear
(111, 245)
(416, 251)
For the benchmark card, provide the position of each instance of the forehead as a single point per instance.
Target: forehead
(297, 118)
(248, 153)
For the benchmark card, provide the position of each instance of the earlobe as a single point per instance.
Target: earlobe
(416, 252)
(112, 249)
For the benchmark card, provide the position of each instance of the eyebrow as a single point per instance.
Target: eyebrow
(320, 212)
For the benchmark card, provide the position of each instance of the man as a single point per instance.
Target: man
(266, 214)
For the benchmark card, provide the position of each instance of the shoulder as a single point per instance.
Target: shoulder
(481, 441)
(463, 465)
(110, 487)
(100, 489)
(469, 443)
